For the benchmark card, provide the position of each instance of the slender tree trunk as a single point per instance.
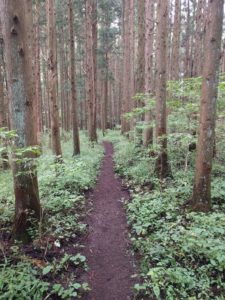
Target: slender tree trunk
(140, 85)
(187, 58)
(52, 78)
(198, 49)
(132, 57)
(162, 166)
(38, 98)
(148, 130)
(3, 106)
(2, 109)
(90, 71)
(175, 56)
(95, 46)
(16, 24)
(76, 139)
(201, 200)
(126, 67)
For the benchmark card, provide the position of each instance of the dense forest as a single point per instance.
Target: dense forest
(112, 149)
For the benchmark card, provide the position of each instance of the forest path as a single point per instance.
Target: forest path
(107, 246)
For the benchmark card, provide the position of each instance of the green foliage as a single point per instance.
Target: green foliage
(131, 161)
(20, 282)
(182, 253)
(62, 187)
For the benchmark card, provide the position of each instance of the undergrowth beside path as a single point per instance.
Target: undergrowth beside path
(49, 267)
(182, 253)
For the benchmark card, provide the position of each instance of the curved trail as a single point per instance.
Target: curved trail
(107, 244)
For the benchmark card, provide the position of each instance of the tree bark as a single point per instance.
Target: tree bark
(140, 85)
(76, 139)
(38, 97)
(125, 126)
(16, 25)
(175, 56)
(162, 166)
(148, 130)
(90, 72)
(201, 200)
(52, 77)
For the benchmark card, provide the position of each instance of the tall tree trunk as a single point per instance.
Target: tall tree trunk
(95, 47)
(38, 98)
(132, 58)
(76, 139)
(148, 130)
(52, 78)
(2, 109)
(187, 57)
(201, 200)
(90, 71)
(175, 56)
(126, 66)
(140, 85)
(16, 24)
(162, 166)
(198, 49)
(3, 101)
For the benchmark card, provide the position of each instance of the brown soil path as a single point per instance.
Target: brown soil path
(107, 244)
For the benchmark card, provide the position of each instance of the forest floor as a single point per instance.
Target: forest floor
(111, 265)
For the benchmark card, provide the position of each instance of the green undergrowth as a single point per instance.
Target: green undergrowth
(48, 271)
(182, 253)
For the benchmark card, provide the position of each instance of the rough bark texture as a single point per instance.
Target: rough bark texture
(16, 24)
(140, 85)
(3, 100)
(90, 72)
(148, 130)
(162, 167)
(76, 139)
(126, 67)
(201, 199)
(2, 110)
(94, 136)
(38, 95)
(52, 77)
(175, 56)
(187, 58)
(198, 49)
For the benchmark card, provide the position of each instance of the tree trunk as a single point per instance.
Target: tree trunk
(76, 139)
(175, 56)
(90, 72)
(38, 98)
(95, 47)
(162, 166)
(148, 130)
(140, 85)
(52, 78)
(16, 24)
(198, 49)
(201, 200)
(126, 67)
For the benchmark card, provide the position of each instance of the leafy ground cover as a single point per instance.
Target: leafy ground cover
(49, 267)
(182, 253)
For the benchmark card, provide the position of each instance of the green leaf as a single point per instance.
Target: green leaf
(47, 270)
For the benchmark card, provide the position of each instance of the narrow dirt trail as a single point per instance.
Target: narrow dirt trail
(107, 244)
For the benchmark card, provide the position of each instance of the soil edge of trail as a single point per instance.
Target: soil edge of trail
(107, 246)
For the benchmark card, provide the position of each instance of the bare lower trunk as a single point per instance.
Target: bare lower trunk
(201, 199)
(162, 166)
(148, 130)
(16, 24)
(52, 78)
(76, 139)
